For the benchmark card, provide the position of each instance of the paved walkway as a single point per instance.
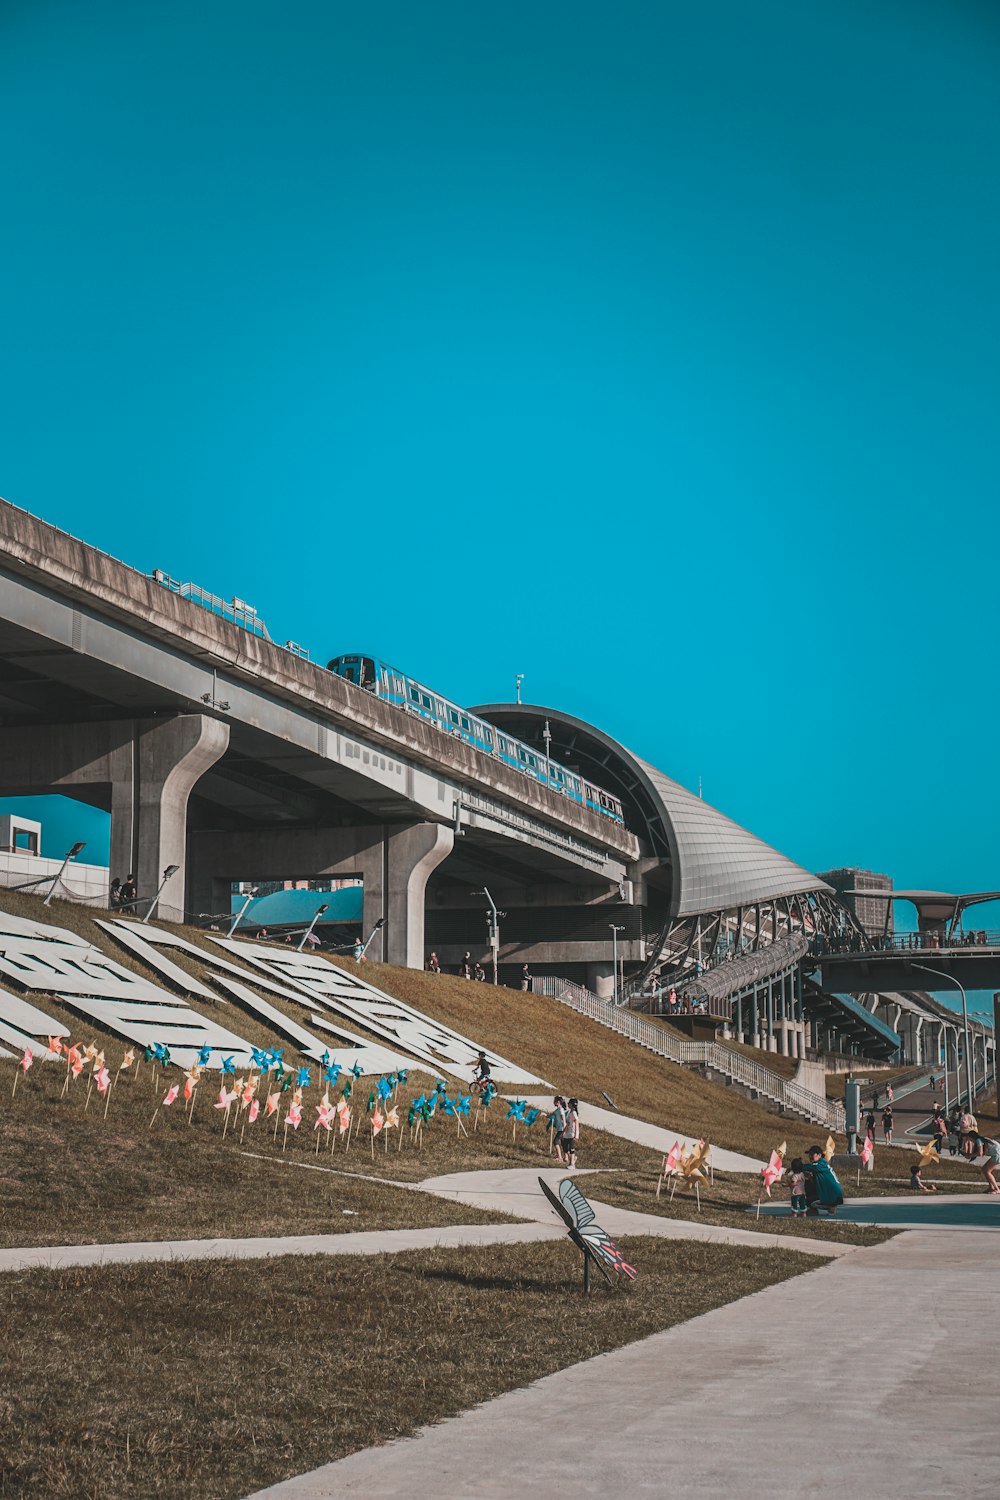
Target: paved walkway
(871, 1376)
(512, 1192)
(654, 1136)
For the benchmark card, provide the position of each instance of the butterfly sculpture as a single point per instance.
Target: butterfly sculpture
(585, 1232)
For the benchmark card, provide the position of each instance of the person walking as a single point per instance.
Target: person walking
(465, 967)
(129, 893)
(968, 1131)
(525, 978)
(571, 1133)
(115, 895)
(797, 1188)
(870, 1126)
(558, 1121)
(433, 964)
(939, 1129)
(887, 1125)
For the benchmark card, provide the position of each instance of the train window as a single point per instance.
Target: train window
(465, 722)
(488, 737)
(425, 700)
(532, 761)
(415, 696)
(453, 716)
(522, 755)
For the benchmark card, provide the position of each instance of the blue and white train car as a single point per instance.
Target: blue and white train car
(395, 687)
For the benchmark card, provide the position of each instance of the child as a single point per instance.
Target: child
(571, 1134)
(797, 1185)
(916, 1181)
(558, 1119)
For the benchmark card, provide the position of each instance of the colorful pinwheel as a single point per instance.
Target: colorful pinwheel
(303, 1078)
(204, 1053)
(516, 1110)
(228, 1067)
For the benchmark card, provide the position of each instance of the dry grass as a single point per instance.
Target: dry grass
(70, 1177)
(214, 1379)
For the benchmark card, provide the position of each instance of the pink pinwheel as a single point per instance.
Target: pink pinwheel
(672, 1158)
(254, 1111)
(77, 1066)
(867, 1151)
(773, 1172)
(26, 1060)
(378, 1120)
(272, 1103)
(343, 1116)
(248, 1093)
(225, 1098)
(55, 1045)
(171, 1094)
(103, 1081)
(323, 1113)
(294, 1116)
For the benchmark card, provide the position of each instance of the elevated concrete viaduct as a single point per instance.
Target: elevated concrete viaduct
(219, 751)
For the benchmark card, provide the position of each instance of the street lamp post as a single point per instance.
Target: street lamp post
(377, 928)
(494, 928)
(168, 872)
(614, 958)
(239, 915)
(965, 1024)
(70, 854)
(315, 918)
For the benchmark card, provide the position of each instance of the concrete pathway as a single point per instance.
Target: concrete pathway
(516, 1191)
(511, 1192)
(870, 1376)
(654, 1136)
(365, 1242)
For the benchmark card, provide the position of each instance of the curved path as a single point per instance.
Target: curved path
(852, 1380)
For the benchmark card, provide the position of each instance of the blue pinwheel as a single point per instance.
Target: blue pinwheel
(448, 1105)
(356, 1071)
(228, 1065)
(325, 1059)
(204, 1053)
(488, 1095)
(411, 1116)
(303, 1079)
(384, 1089)
(402, 1076)
(462, 1104)
(161, 1053)
(332, 1073)
(516, 1110)
(427, 1112)
(531, 1116)
(261, 1058)
(347, 1090)
(371, 1099)
(440, 1087)
(277, 1056)
(418, 1104)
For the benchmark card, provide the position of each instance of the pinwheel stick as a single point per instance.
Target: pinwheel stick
(225, 1122)
(14, 1089)
(108, 1099)
(284, 1138)
(697, 1194)
(90, 1085)
(673, 1189)
(156, 1111)
(759, 1195)
(277, 1117)
(373, 1145)
(194, 1095)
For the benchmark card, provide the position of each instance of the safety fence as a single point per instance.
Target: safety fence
(733, 1065)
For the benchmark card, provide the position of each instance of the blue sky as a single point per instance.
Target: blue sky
(649, 351)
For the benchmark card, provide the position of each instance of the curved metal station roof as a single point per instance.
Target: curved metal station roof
(715, 863)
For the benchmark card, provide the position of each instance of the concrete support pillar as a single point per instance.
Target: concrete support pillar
(412, 856)
(158, 770)
(601, 980)
(142, 771)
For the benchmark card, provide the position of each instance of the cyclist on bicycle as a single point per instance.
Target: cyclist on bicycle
(480, 1071)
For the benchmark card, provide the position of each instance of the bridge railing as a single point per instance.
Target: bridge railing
(909, 942)
(733, 1065)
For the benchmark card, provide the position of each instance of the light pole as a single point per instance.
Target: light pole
(547, 737)
(170, 870)
(377, 928)
(308, 932)
(518, 679)
(239, 915)
(614, 958)
(70, 854)
(494, 925)
(965, 1024)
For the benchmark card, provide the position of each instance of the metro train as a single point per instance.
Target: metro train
(395, 687)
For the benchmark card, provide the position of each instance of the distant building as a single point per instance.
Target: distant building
(874, 915)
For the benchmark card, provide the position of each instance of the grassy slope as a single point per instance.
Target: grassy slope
(215, 1379)
(121, 1180)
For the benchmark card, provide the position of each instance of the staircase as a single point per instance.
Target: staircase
(708, 1058)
